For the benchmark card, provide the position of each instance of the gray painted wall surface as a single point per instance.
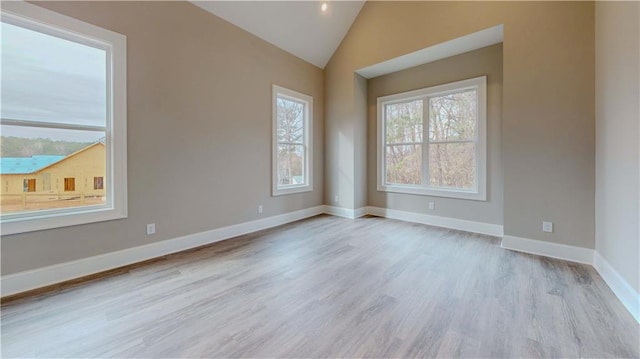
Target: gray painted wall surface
(191, 76)
(548, 114)
(618, 137)
(199, 130)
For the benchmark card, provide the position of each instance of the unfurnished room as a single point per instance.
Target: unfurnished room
(320, 179)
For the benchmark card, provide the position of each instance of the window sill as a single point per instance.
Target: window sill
(291, 190)
(435, 192)
(41, 222)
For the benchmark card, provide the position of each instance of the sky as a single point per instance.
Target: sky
(49, 79)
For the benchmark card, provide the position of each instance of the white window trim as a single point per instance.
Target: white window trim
(479, 193)
(47, 21)
(308, 142)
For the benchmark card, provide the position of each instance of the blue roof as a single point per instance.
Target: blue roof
(20, 165)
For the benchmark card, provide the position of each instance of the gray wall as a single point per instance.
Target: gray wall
(618, 137)
(548, 119)
(199, 89)
(199, 130)
(486, 61)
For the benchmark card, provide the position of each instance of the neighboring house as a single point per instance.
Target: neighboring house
(81, 172)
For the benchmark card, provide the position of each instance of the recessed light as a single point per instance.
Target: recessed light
(323, 7)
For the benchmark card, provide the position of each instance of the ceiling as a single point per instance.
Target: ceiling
(298, 27)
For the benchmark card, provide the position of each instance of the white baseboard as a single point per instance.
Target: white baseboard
(345, 212)
(360, 212)
(629, 297)
(438, 221)
(548, 249)
(41, 277)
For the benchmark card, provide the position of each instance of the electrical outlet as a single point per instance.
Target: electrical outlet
(259, 209)
(335, 199)
(547, 226)
(151, 229)
(432, 205)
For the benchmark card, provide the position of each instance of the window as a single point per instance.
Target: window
(292, 134)
(70, 184)
(432, 141)
(98, 182)
(62, 116)
(29, 185)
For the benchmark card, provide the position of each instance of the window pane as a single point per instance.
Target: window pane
(290, 120)
(49, 79)
(453, 117)
(404, 164)
(452, 165)
(291, 165)
(29, 185)
(98, 182)
(403, 122)
(43, 168)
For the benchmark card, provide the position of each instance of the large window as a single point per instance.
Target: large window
(62, 120)
(292, 134)
(432, 141)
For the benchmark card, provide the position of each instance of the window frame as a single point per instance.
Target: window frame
(479, 193)
(42, 20)
(307, 186)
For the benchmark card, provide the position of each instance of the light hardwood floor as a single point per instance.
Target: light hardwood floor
(332, 287)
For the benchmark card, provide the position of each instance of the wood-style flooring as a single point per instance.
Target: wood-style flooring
(329, 287)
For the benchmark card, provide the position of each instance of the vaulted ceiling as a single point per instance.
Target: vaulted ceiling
(298, 27)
